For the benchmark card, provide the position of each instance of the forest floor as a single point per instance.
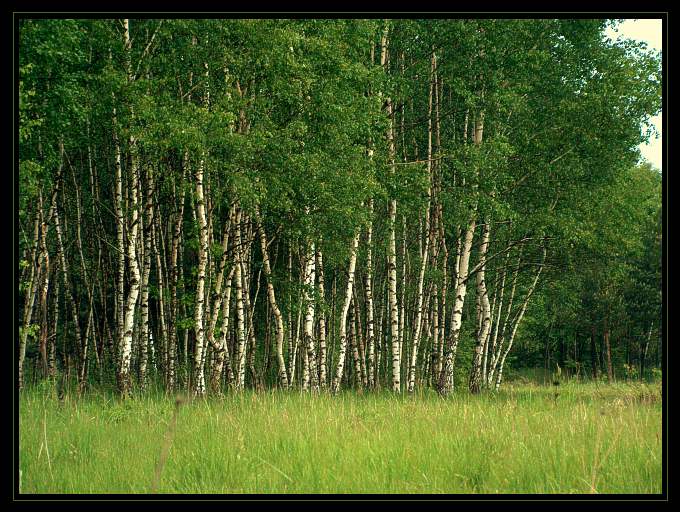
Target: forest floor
(573, 438)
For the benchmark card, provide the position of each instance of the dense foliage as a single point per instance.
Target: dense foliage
(221, 204)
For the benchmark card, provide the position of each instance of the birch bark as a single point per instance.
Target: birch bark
(322, 321)
(278, 317)
(146, 271)
(446, 377)
(199, 347)
(240, 317)
(426, 249)
(343, 314)
(520, 315)
(308, 333)
(475, 382)
(392, 249)
(370, 331)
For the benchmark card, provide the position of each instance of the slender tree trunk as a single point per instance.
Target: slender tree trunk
(163, 337)
(446, 377)
(593, 352)
(353, 336)
(222, 357)
(120, 243)
(343, 314)
(380, 346)
(45, 270)
(124, 382)
(199, 367)
(485, 359)
(240, 317)
(322, 321)
(644, 351)
(249, 306)
(402, 299)
(425, 253)
(520, 315)
(360, 340)
(503, 328)
(496, 323)
(278, 317)
(442, 325)
(65, 272)
(125, 342)
(29, 300)
(218, 348)
(83, 348)
(308, 333)
(295, 343)
(174, 281)
(434, 349)
(475, 382)
(290, 313)
(370, 331)
(419, 307)
(52, 358)
(146, 271)
(392, 248)
(608, 351)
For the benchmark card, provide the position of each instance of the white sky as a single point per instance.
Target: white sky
(648, 31)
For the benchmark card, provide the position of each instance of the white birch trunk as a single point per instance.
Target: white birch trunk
(392, 249)
(29, 300)
(308, 328)
(446, 377)
(130, 306)
(199, 367)
(146, 271)
(240, 317)
(343, 314)
(503, 327)
(174, 279)
(487, 339)
(370, 331)
(499, 377)
(475, 382)
(124, 383)
(426, 249)
(278, 317)
(322, 321)
(120, 242)
(163, 332)
(496, 323)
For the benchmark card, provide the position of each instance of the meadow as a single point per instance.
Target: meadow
(575, 438)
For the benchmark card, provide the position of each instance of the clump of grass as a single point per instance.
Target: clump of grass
(179, 401)
(519, 440)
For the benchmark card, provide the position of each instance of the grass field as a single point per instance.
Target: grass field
(575, 438)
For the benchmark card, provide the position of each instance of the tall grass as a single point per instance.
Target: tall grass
(575, 438)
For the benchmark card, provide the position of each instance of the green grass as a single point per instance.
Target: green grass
(525, 439)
